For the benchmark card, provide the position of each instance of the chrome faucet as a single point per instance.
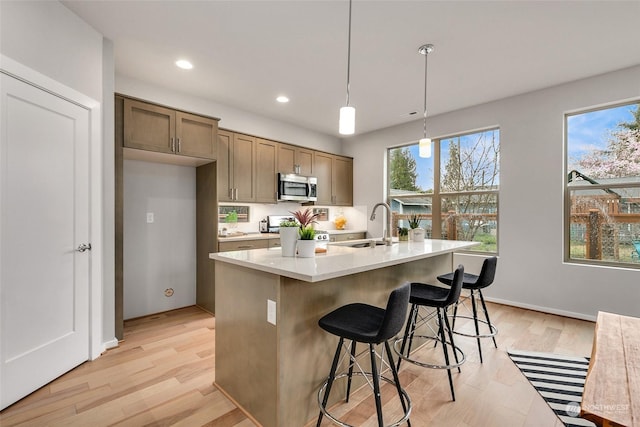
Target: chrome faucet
(387, 233)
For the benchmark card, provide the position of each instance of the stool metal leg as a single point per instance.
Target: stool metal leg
(486, 314)
(332, 376)
(396, 379)
(453, 345)
(475, 322)
(351, 362)
(446, 351)
(408, 332)
(376, 384)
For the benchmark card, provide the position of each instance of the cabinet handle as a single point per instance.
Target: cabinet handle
(231, 193)
(245, 246)
(179, 145)
(172, 145)
(236, 197)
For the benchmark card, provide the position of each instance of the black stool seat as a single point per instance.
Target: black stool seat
(370, 325)
(474, 283)
(469, 281)
(356, 322)
(429, 295)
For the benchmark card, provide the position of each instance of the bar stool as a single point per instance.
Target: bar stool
(371, 325)
(440, 298)
(475, 284)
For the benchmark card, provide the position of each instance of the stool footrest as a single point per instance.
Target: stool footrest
(492, 328)
(324, 410)
(461, 356)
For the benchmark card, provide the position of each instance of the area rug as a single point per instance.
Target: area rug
(558, 379)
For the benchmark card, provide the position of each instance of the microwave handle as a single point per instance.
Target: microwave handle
(308, 189)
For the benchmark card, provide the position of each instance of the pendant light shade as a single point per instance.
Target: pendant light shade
(347, 122)
(424, 145)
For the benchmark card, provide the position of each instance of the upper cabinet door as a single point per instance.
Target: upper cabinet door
(224, 166)
(148, 127)
(286, 158)
(265, 176)
(322, 163)
(244, 164)
(342, 181)
(196, 136)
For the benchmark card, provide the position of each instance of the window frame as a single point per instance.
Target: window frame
(577, 187)
(438, 195)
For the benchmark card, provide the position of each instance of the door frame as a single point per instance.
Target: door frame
(28, 75)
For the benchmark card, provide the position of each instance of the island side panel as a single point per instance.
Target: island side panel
(306, 351)
(245, 343)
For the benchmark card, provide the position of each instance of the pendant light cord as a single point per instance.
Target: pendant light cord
(426, 56)
(349, 55)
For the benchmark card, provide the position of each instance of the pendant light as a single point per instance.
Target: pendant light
(424, 145)
(347, 123)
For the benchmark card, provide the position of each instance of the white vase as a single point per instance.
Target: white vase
(288, 240)
(306, 248)
(417, 235)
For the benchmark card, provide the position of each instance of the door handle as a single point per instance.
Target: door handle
(84, 247)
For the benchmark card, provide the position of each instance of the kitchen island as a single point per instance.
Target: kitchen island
(271, 356)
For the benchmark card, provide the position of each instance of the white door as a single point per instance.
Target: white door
(44, 218)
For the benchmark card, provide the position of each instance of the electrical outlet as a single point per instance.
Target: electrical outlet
(271, 312)
(150, 218)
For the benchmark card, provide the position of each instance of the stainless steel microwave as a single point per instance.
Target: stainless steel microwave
(297, 188)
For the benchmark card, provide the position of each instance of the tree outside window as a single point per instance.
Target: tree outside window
(461, 202)
(603, 185)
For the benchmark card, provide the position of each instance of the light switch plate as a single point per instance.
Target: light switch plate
(271, 312)
(150, 218)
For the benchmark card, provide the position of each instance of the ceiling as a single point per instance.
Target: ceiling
(246, 53)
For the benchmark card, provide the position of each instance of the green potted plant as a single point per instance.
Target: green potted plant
(232, 219)
(414, 221)
(403, 234)
(289, 237)
(307, 242)
(416, 234)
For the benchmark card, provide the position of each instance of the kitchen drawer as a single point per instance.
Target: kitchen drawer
(274, 243)
(346, 237)
(243, 245)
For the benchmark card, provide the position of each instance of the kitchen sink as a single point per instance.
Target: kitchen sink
(365, 244)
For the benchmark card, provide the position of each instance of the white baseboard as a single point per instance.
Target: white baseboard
(564, 313)
(112, 343)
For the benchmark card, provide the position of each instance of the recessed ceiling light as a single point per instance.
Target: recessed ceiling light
(184, 64)
(283, 99)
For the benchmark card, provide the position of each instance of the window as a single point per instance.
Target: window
(454, 192)
(602, 210)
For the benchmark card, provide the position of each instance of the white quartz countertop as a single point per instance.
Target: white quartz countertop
(259, 236)
(339, 260)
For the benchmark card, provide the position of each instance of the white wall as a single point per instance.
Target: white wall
(231, 118)
(531, 271)
(162, 254)
(48, 38)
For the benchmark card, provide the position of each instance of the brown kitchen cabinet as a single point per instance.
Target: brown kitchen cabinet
(152, 127)
(293, 159)
(266, 182)
(335, 179)
(236, 166)
(243, 245)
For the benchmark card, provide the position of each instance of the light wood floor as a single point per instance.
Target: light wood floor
(162, 374)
